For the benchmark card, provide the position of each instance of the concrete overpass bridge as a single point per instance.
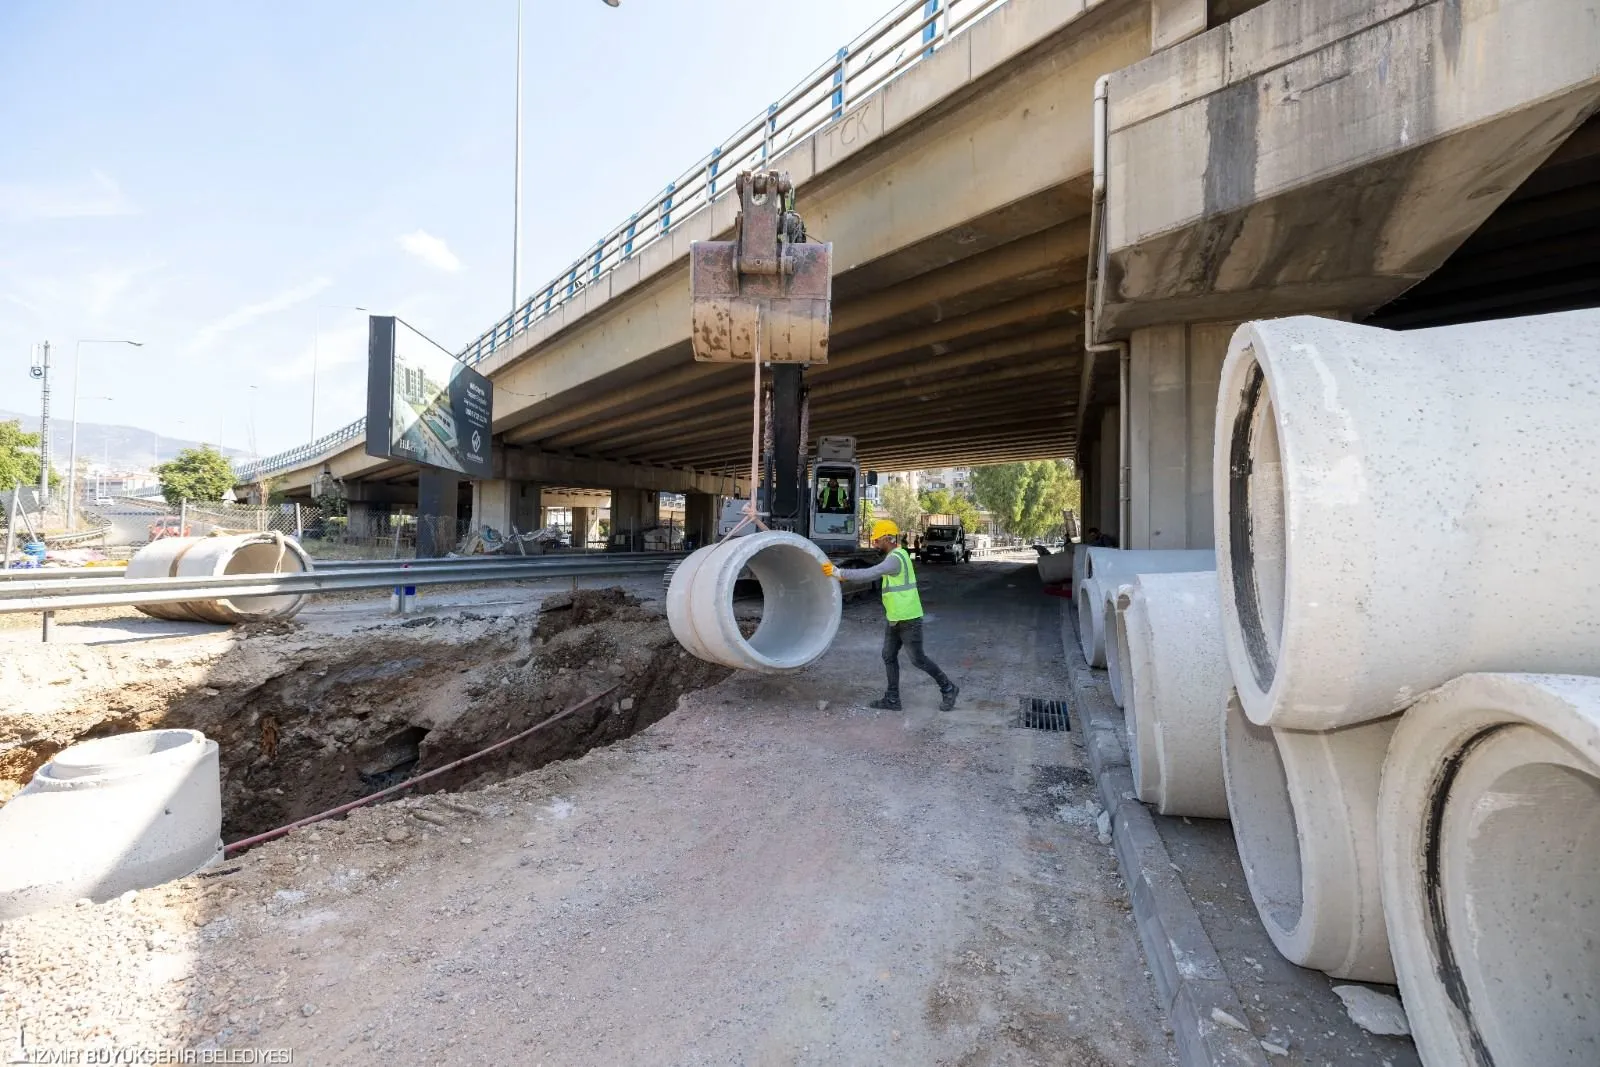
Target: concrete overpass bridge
(1406, 162)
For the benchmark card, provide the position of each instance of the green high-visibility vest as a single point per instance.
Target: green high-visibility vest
(833, 496)
(900, 600)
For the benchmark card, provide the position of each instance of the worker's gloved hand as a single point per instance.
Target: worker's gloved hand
(829, 569)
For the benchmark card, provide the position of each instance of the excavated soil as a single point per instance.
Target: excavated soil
(307, 723)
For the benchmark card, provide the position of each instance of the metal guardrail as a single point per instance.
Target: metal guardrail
(44, 574)
(911, 31)
(63, 594)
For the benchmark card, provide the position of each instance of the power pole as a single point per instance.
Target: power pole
(41, 371)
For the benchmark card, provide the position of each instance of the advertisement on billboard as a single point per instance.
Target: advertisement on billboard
(424, 405)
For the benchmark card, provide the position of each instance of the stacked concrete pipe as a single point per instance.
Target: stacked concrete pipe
(209, 557)
(1107, 568)
(109, 815)
(1175, 684)
(1394, 510)
(1490, 852)
(801, 605)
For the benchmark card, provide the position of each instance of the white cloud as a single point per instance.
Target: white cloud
(334, 347)
(98, 197)
(209, 334)
(431, 250)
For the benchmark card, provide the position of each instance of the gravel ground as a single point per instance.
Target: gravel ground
(772, 874)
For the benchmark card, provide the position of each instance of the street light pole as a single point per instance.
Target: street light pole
(72, 454)
(516, 191)
(316, 355)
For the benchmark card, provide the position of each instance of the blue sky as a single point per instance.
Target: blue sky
(202, 176)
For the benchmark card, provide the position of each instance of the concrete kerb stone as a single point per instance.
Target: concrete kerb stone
(1191, 983)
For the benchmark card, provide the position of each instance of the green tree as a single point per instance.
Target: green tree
(867, 514)
(199, 475)
(944, 502)
(900, 503)
(1027, 499)
(19, 457)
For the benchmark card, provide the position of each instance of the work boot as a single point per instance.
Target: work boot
(887, 702)
(949, 696)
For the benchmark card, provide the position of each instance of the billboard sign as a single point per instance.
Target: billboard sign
(424, 405)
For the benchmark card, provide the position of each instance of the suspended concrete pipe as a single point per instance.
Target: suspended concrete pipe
(1102, 569)
(1489, 819)
(208, 557)
(801, 606)
(1397, 509)
(110, 815)
(1176, 685)
(1304, 811)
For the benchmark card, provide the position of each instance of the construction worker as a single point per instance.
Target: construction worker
(903, 608)
(833, 498)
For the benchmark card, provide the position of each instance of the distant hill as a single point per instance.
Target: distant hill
(128, 446)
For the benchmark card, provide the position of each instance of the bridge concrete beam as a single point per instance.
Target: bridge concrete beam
(530, 465)
(731, 385)
(989, 362)
(1428, 114)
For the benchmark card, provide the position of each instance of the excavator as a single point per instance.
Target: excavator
(765, 299)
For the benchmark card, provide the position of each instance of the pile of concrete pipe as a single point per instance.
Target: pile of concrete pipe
(109, 815)
(210, 557)
(1405, 534)
(800, 610)
(1388, 682)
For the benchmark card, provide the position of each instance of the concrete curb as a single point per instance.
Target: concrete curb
(1193, 988)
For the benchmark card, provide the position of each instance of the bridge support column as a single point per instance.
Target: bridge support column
(365, 520)
(1172, 408)
(438, 493)
(700, 517)
(632, 512)
(501, 503)
(585, 526)
(1097, 468)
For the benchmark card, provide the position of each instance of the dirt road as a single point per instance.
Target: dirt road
(773, 874)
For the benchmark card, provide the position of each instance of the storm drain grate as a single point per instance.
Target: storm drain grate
(1038, 713)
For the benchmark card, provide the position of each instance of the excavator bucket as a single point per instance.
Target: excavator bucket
(766, 294)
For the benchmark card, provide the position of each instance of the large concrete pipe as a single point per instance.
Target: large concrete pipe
(1304, 812)
(109, 815)
(1055, 568)
(1117, 600)
(1140, 729)
(1177, 686)
(1397, 509)
(1105, 569)
(801, 606)
(207, 557)
(1489, 819)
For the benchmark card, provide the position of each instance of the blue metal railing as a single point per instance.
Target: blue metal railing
(913, 30)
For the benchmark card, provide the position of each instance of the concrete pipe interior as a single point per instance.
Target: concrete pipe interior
(798, 602)
(1258, 533)
(1118, 669)
(1090, 635)
(120, 754)
(1518, 865)
(263, 557)
(1262, 813)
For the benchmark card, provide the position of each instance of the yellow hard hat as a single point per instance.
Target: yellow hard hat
(884, 528)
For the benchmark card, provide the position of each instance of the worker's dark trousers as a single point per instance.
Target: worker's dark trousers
(909, 634)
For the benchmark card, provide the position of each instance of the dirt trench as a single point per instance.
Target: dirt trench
(307, 723)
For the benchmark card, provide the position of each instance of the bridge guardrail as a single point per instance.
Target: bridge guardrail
(911, 31)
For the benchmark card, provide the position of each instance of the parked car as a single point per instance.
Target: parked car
(168, 526)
